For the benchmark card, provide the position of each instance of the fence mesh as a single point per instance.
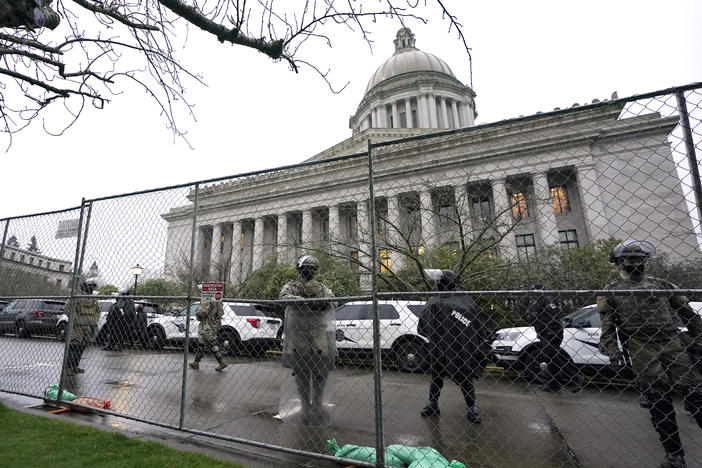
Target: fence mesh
(546, 345)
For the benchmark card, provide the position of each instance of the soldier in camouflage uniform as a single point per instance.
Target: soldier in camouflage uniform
(210, 316)
(309, 348)
(645, 325)
(84, 314)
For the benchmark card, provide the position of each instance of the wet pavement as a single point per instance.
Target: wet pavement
(522, 426)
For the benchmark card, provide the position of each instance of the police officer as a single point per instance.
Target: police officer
(84, 313)
(120, 318)
(309, 348)
(646, 328)
(458, 342)
(210, 316)
(557, 369)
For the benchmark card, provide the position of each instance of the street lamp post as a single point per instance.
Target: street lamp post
(136, 271)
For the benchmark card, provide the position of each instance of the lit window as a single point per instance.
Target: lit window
(354, 259)
(519, 206)
(568, 238)
(385, 263)
(559, 200)
(526, 248)
(418, 249)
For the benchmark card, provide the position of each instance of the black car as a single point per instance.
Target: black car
(25, 317)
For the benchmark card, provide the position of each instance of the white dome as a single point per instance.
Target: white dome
(408, 60)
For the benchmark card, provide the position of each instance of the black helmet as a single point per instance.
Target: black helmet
(449, 281)
(308, 262)
(632, 248)
(88, 284)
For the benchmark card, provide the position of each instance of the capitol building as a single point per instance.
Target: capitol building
(567, 177)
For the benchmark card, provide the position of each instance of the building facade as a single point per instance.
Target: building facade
(52, 270)
(560, 178)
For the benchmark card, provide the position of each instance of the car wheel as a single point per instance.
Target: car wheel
(61, 331)
(410, 356)
(156, 337)
(21, 329)
(229, 342)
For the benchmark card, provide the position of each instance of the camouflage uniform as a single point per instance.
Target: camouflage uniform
(646, 327)
(210, 316)
(309, 348)
(84, 313)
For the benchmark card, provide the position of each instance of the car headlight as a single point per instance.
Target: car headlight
(508, 336)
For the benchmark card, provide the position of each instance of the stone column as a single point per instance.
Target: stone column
(282, 238)
(374, 117)
(235, 273)
(544, 210)
(463, 212)
(395, 116)
(335, 238)
(444, 113)
(454, 111)
(408, 112)
(596, 219)
(258, 256)
(428, 218)
(306, 230)
(503, 218)
(423, 110)
(382, 116)
(433, 123)
(394, 233)
(365, 256)
(216, 272)
(467, 113)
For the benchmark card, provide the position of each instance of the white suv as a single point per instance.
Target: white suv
(581, 339)
(244, 327)
(398, 331)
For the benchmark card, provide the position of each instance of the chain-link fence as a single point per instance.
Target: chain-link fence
(557, 339)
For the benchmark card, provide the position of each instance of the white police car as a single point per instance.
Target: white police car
(581, 338)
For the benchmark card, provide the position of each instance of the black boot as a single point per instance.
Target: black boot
(431, 409)
(473, 414)
(673, 461)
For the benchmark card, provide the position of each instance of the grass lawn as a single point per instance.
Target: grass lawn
(27, 441)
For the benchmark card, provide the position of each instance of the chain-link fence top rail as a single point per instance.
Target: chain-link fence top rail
(541, 199)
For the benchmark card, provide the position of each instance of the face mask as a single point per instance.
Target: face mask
(635, 270)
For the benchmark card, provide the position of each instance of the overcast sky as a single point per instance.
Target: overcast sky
(256, 114)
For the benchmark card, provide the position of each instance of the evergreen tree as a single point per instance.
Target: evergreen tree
(12, 241)
(32, 246)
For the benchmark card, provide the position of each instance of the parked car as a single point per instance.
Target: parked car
(515, 347)
(25, 317)
(149, 309)
(398, 331)
(245, 327)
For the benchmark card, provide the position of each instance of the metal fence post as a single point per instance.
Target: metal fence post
(377, 358)
(85, 236)
(4, 239)
(690, 151)
(187, 315)
(72, 303)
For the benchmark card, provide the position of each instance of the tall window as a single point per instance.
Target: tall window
(351, 227)
(519, 206)
(481, 208)
(526, 248)
(325, 229)
(61, 267)
(559, 200)
(12, 255)
(354, 259)
(447, 215)
(568, 238)
(414, 222)
(385, 262)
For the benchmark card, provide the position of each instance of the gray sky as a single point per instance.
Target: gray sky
(256, 114)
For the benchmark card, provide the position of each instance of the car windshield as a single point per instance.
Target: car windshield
(416, 309)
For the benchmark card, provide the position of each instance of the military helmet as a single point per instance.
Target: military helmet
(449, 281)
(632, 248)
(308, 262)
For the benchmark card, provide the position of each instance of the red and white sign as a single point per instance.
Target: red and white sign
(212, 292)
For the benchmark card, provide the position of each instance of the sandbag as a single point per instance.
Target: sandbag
(51, 393)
